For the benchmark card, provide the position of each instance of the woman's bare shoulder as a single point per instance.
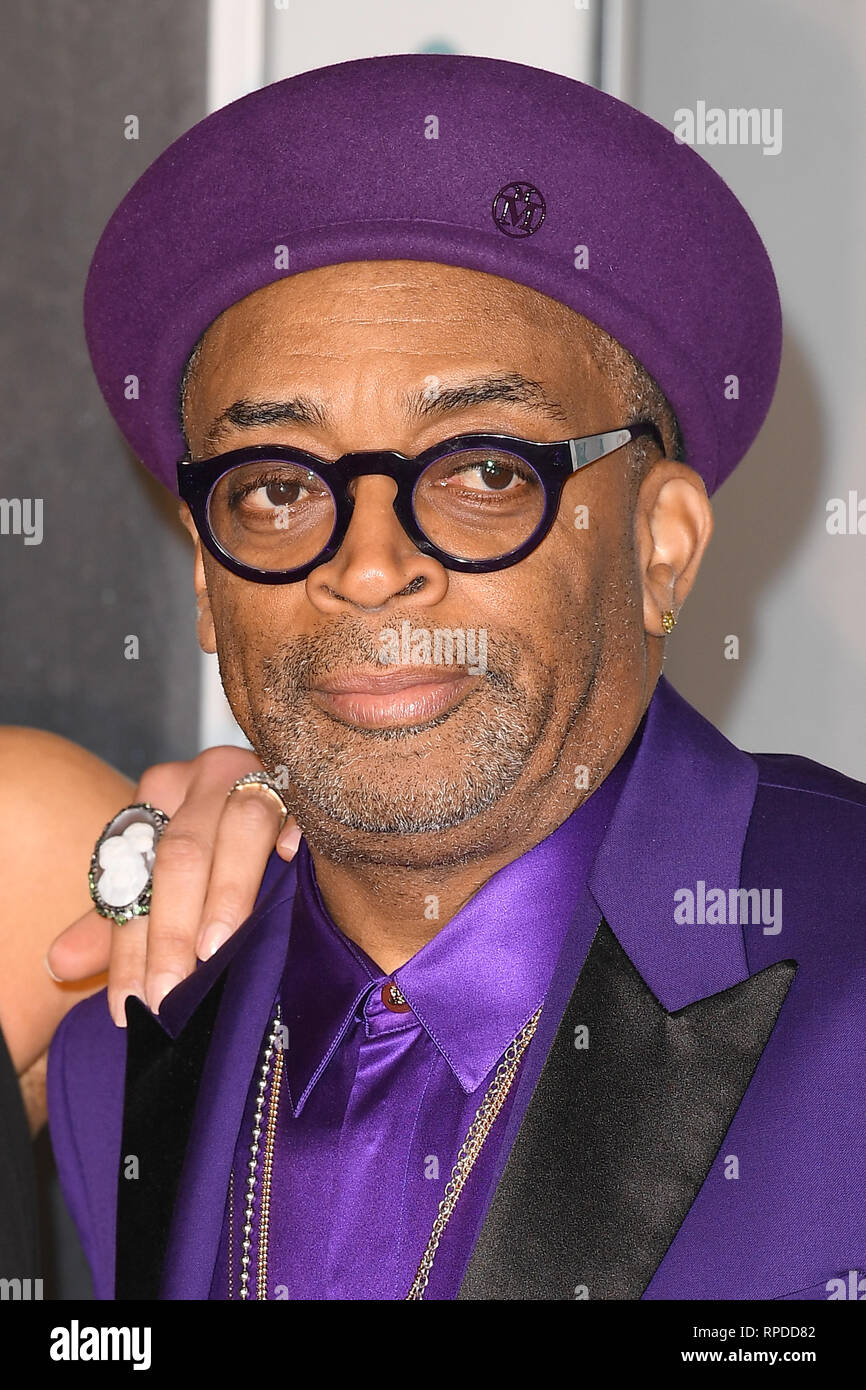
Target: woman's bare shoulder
(35, 758)
(48, 784)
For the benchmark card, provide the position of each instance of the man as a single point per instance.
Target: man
(558, 999)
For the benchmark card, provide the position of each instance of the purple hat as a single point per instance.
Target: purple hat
(472, 162)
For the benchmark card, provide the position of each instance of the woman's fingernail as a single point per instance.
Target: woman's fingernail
(160, 986)
(118, 1011)
(290, 839)
(57, 978)
(214, 935)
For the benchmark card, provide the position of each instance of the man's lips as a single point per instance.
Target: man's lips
(393, 698)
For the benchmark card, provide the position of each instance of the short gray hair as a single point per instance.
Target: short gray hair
(183, 391)
(642, 397)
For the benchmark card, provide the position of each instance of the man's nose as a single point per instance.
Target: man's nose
(377, 562)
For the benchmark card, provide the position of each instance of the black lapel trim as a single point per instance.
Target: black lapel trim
(162, 1079)
(619, 1136)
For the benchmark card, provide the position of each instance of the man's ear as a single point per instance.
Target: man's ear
(673, 524)
(204, 624)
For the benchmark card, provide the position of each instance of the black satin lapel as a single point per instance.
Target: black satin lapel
(162, 1078)
(619, 1136)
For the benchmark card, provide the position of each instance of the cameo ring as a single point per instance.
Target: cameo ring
(264, 782)
(121, 866)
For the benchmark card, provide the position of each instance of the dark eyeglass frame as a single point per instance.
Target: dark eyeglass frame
(553, 462)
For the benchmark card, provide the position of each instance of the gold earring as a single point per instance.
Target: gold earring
(668, 621)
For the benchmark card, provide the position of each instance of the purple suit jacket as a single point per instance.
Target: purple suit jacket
(709, 1143)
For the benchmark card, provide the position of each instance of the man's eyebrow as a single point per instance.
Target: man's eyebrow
(249, 415)
(433, 399)
(509, 387)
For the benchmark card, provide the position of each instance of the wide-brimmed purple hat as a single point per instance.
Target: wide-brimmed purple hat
(472, 162)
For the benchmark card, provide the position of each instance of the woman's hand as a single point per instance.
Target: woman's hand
(210, 860)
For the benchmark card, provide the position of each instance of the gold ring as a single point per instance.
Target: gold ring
(264, 782)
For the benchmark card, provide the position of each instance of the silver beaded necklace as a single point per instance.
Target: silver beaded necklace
(260, 1163)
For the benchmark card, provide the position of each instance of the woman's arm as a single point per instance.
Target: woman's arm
(55, 800)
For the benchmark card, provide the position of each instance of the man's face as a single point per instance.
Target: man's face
(453, 761)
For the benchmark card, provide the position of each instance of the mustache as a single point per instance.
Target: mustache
(351, 643)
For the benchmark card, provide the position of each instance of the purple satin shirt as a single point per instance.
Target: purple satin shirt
(374, 1103)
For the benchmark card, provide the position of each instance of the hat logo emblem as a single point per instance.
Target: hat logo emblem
(518, 209)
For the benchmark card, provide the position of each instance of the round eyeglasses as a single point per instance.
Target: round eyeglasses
(476, 503)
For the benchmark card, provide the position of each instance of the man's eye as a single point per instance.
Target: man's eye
(263, 494)
(281, 494)
(487, 475)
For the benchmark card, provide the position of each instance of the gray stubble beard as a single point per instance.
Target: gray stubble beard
(318, 753)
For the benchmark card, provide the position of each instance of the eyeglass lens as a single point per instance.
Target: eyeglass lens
(474, 504)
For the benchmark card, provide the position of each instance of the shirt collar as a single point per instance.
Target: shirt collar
(323, 982)
(476, 983)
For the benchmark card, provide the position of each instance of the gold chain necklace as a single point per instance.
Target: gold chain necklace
(493, 1101)
(485, 1116)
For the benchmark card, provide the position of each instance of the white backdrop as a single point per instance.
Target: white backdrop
(791, 593)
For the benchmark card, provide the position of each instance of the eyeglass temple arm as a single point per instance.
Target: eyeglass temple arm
(584, 451)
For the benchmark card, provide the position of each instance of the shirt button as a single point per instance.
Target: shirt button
(393, 999)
